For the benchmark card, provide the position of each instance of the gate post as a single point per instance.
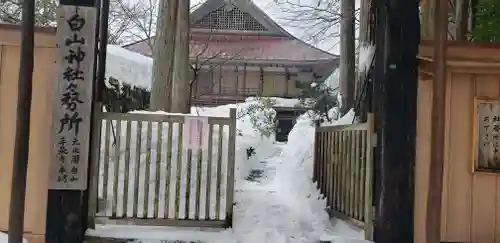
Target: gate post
(230, 169)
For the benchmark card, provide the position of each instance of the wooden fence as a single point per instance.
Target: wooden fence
(343, 170)
(146, 176)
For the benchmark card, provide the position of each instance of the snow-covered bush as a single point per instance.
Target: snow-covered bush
(319, 98)
(261, 114)
(121, 97)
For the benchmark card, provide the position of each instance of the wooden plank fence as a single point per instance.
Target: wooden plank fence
(146, 177)
(343, 170)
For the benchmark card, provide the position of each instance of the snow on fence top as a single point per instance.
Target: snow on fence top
(129, 67)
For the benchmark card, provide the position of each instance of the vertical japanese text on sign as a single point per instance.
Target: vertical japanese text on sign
(73, 94)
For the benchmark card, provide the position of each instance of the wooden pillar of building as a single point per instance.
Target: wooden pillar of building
(261, 81)
(287, 74)
(395, 105)
(237, 87)
(245, 79)
(435, 186)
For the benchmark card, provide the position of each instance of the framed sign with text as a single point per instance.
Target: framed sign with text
(487, 135)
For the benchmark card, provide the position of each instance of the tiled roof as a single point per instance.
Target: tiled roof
(254, 49)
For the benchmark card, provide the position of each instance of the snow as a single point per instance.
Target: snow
(366, 53)
(281, 206)
(129, 67)
(4, 238)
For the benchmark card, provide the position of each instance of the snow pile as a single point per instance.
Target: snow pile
(4, 238)
(294, 180)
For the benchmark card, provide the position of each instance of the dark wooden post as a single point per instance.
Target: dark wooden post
(67, 209)
(395, 93)
(435, 187)
(21, 142)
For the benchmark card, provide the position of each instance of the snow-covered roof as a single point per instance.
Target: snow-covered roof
(129, 67)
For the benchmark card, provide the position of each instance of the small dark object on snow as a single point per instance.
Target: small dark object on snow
(250, 152)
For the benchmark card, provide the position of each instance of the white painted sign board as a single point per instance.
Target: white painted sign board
(72, 97)
(195, 132)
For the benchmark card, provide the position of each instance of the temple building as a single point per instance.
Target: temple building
(237, 51)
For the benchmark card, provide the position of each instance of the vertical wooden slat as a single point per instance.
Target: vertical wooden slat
(179, 171)
(117, 167)
(147, 170)
(341, 169)
(137, 168)
(198, 180)
(230, 168)
(330, 168)
(106, 164)
(322, 163)
(357, 171)
(188, 182)
(157, 168)
(362, 158)
(345, 139)
(369, 177)
(334, 169)
(168, 169)
(348, 174)
(338, 139)
(352, 162)
(127, 167)
(219, 171)
(209, 172)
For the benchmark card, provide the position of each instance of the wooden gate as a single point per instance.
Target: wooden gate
(343, 169)
(145, 175)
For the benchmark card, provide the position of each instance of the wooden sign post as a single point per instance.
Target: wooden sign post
(72, 98)
(72, 109)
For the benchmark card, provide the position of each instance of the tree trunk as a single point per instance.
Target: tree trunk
(180, 93)
(462, 20)
(427, 27)
(395, 93)
(163, 56)
(361, 89)
(347, 55)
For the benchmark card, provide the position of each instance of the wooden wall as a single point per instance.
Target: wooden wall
(232, 80)
(36, 194)
(471, 201)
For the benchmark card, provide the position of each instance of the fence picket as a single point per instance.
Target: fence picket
(137, 169)
(357, 171)
(168, 169)
(127, 168)
(179, 171)
(198, 182)
(330, 170)
(188, 183)
(157, 168)
(147, 170)
(209, 173)
(116, 171)
(106, 164)
(338, 167)
(219, 173)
